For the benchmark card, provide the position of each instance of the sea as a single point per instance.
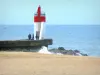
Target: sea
(85, 38)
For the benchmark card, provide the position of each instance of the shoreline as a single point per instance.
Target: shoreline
(17, 53)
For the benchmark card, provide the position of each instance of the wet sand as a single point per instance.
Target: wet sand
(28, 63)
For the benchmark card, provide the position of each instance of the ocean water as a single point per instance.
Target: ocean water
(85, 38)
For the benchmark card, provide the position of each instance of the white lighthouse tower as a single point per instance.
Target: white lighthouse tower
(39, 19)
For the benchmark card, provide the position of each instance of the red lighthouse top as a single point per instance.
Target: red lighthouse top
(38, 16)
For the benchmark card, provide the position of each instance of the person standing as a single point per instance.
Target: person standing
(29, 37)
(33, 37)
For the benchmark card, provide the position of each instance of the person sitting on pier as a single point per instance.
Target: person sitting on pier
(29, 37)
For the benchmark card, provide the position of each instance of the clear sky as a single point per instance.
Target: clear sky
(76, 12)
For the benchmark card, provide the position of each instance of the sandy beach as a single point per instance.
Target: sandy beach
(28, 63)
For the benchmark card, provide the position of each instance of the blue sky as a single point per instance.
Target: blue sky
(69, 12)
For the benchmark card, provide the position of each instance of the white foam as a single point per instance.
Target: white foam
(59, 54)
(78, 54)
(44, 50)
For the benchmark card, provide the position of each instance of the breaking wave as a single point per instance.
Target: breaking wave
(44, 50)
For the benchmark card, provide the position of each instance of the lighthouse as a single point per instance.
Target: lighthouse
(34, 43)
(39, 20)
